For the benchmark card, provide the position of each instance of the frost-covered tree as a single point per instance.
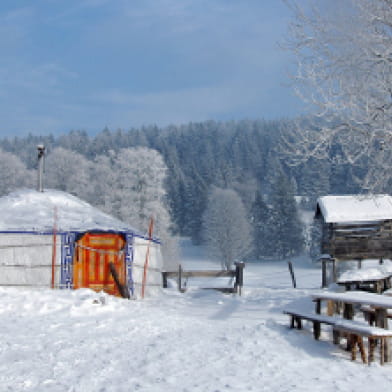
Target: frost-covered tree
(226, 229)
(104, 181)
(140, 174)
(69, 171)
(13, 174)
(344, 71)
(344, 52)
(77, 141)
(132, 187)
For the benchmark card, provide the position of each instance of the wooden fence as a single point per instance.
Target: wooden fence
(181, 275)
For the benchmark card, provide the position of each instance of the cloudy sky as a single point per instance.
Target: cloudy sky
(87, 64)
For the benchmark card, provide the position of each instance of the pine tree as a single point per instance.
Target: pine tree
(260, 216)
(286, 226)
(315, 240)
(195, 204)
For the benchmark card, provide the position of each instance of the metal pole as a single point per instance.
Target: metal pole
(41, 157)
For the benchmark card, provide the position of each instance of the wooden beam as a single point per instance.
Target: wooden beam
(201, 274)
(123, 289)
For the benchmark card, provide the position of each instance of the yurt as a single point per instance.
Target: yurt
(53, 239)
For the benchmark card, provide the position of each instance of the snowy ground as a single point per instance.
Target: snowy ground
(197, 341)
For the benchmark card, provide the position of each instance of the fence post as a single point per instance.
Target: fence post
(164, 279)
(359, 263)
(334, 273)
(239, 276)
(179, 278)
(324, 273)
(292, 274)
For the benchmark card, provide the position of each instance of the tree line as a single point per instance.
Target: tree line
(254, 159)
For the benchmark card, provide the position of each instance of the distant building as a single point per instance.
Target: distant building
(54, 239)
(356, 227)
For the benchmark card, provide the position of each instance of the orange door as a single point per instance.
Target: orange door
(93, 253)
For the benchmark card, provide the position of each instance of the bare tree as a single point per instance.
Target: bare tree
(226, 229)
(344, 71)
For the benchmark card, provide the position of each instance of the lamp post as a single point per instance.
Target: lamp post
(41, 157)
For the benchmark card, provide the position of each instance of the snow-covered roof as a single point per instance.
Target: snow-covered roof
(30, 210)
(355, 208)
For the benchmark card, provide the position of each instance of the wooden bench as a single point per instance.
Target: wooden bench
(356, 331)
(353, 331)
(317, 319)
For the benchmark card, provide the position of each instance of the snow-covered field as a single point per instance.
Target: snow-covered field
(197, 341)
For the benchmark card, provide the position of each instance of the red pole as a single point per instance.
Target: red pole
(150, 229)
(54, 247)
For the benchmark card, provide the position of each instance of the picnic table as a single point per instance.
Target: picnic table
(371, 280)
(379, 303)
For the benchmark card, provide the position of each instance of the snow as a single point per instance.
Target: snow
(355, 208)
(30, 210)
(82, 341)
(356, 297)
(364, 274)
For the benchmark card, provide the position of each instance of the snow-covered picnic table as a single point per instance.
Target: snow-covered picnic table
(355, 297)
(372, 279)
(380, 304)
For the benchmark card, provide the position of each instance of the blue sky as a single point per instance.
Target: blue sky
(87, 64)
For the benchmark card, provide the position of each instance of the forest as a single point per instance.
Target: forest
(269, 165)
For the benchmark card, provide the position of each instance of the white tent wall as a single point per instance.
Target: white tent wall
(154, 271)
(26, 259)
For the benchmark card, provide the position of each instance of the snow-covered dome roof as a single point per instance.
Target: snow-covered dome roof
(30, 210)
(355, 208)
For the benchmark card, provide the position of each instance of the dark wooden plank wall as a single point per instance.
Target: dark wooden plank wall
(358, 241)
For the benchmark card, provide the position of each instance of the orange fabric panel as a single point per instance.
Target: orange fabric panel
(94, 252)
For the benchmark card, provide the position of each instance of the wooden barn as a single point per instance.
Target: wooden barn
(54, 239)
(356, 227)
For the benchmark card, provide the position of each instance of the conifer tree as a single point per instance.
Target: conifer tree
(260, 220)
(286, 227)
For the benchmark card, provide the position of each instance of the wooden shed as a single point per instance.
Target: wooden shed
(356, 227)
(54, 239)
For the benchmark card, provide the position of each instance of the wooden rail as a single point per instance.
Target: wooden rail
(237, 273)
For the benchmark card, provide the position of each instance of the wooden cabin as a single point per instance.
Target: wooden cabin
(356, 227)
